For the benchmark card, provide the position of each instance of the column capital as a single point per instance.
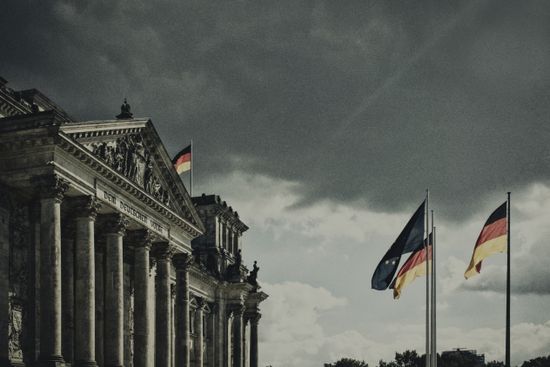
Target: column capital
(51, 186)
(86, 207)
(237, 309)
(254, 318)
(163, 251)
(182, 261)
(114, 223)
(142, 238)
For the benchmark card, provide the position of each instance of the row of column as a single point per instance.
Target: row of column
(53, 343)
(240, 348)
(76, 304)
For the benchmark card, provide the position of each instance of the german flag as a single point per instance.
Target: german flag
(492, 239)
(414, 267)
(182, 160)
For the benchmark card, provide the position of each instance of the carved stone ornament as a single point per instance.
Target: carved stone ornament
(163, 251)
(14, 332)
(127, 155)
(51, 186)
(86, 206)
(142, 238)
(125, 111)
(182, 261)
(254, 318)
(115, 223)
(236, 309)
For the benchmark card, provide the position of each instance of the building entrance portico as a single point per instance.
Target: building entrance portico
(111, 263)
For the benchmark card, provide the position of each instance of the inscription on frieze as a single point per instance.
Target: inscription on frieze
(127, 155)
(110, 197)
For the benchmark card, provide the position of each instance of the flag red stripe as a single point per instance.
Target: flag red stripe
(493, 230)
(417, 258)
(184, 158)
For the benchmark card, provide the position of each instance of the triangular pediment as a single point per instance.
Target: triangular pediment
(134, 150)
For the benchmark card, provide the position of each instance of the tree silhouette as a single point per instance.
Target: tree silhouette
(537, 362)
(349, 362)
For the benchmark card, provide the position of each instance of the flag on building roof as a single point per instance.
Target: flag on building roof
(410, 238)
(491, 240)
(414, 267)
(182, 160)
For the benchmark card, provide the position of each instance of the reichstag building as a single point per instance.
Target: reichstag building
(105, 259)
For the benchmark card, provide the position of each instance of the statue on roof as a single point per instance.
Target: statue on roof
(253, 275)
(125, 113)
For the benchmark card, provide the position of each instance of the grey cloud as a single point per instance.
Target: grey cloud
(277, 88)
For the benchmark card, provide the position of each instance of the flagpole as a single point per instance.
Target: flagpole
(191, 171)
(434, 298)
(508, 285)
(427, 280)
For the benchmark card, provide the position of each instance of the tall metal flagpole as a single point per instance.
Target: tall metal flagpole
(427, 219)
(434, 299)
(191, 171)
(508, 285)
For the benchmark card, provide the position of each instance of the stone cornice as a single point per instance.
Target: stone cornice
(203, 277)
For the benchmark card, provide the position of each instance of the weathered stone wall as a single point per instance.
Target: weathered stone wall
(16, 281)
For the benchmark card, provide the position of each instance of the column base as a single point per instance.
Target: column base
(51, 361)
(85, 364)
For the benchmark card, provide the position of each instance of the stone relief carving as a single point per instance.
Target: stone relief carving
(14, 332)
(127, 155)
(19, 254)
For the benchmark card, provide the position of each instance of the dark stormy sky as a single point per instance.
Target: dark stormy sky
(346, 110)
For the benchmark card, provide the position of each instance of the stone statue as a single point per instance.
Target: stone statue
(253, 276)
(238, 259)
(125, 113)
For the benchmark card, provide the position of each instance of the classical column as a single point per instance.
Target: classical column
(163, 253)
(172, 325)
(52, 189)
(244, 342)
(4, 279)
(128, 289)
(199, 343)
(115, 227)
(67, 287)
(254, 320)
(238, 327)
(100, 300)
(142, 302)
(85, 213)
(182, 262)
(211, 335)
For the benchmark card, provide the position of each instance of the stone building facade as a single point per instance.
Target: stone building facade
(105, 259)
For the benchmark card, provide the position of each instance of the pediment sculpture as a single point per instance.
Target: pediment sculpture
(128, 156)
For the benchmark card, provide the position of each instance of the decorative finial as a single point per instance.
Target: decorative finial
(125, 113)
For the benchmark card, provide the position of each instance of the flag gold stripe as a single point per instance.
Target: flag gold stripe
(183, 167)
(406, 278)
(484, 250)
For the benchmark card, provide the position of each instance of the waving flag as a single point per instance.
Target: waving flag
(491, 240)
(410, 238)
(182, 160)
(414, 267)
